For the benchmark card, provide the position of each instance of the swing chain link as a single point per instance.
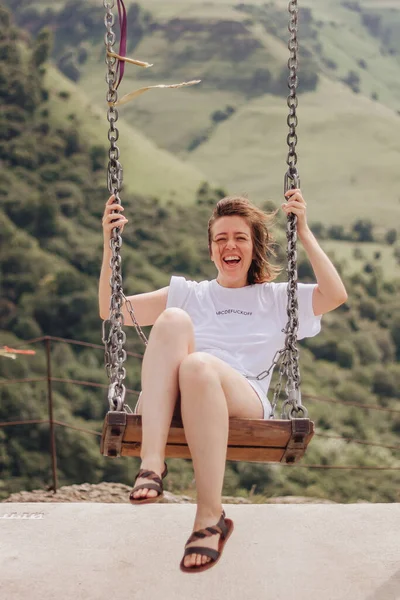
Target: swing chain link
(292, 177)
(134, 321)
(114, 341)
(289, 356)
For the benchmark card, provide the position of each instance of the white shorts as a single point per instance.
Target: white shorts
(263, 399)
(267, 408)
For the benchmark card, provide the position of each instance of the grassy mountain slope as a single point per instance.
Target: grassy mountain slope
(345, 175)
(348, 146)
(148, 169)
(225, 44)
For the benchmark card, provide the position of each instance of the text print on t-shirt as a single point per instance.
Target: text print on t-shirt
(229, 311)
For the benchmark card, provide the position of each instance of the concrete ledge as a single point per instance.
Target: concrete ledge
(92, 551)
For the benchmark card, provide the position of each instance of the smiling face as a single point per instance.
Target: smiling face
(231, 250)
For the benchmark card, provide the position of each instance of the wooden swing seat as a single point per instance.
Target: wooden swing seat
(249, 440)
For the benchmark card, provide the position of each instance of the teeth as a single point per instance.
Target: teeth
(232, 258)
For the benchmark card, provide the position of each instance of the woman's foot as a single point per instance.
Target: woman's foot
(147, 492)
(193, 560)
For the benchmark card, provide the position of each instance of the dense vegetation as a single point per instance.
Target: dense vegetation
(72, 43)
(51, 201)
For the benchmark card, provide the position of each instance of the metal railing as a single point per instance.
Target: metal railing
(53, 422)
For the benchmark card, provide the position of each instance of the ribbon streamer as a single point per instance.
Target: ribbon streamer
(132, 61)
(128, 97)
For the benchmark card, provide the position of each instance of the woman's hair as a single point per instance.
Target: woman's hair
(261, 270)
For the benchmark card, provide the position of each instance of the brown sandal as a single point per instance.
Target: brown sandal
(157, 485)
(224, 527)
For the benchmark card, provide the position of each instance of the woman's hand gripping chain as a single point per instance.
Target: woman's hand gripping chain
(297, 205)
(112, 219)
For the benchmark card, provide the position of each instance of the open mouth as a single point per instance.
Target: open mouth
(232, 260)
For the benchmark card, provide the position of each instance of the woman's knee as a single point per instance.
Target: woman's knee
(173, 321)
(196, 369)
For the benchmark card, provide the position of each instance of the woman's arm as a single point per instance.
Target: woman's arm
(330, 291)
(147, 307)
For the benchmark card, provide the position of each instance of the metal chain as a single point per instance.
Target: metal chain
(290, 364)
(288, 357)
(114, 341)
(134, 321)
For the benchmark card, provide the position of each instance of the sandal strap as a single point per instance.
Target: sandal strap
(149, 486)
(152, 475)
(203, 533)
(203, 551)
(148, 475)
(220, 528)
(222, 525)
(157, 485)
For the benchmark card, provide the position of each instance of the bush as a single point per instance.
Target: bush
(369, 309)
(324, 347)
(98, 155)
(395, 333)
(384, 384)
(350, 391)
(68, 67)
(353, 80)
(70, 198)
(319, 230)
(25, 327)
(386, 345)
(329, 63)
(367, 348)
(222, 115)
(336, 232)
(372, 23)
(363, 230)
(391, 237)
(346, 354)
(197, 141)
(42, 48)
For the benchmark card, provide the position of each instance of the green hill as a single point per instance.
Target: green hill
(232, 127)
(148, 169)
(348, 157)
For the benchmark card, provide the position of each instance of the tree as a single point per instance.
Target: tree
(336, 232)
(395, 332)
(42, 48)
(363, 230)
(391, 237)
(373, 23)
(353, 80)
(319, 230)
(384, 383)
(368, 350)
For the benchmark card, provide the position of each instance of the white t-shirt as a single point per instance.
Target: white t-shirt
(243, 326)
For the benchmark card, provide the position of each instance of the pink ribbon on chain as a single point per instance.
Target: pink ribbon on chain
(123, 24)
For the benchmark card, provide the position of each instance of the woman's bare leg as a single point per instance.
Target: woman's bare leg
(170, 341)
(211, 391)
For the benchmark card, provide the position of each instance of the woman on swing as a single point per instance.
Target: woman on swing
(206, 338)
